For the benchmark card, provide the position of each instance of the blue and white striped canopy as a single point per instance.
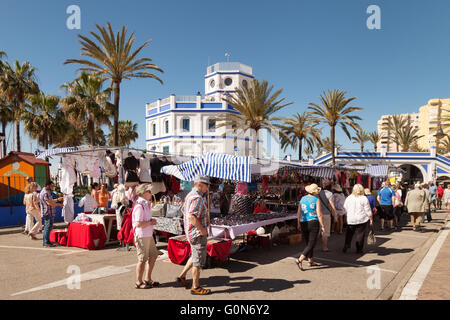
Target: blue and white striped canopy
(51, 152)
(215, 165)
(377, 170)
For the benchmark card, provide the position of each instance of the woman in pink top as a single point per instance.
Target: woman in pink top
(143, 237)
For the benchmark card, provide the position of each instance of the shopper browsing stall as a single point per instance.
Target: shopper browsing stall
(196, 224)
(310, 222)
(48, 211)
(143, 237)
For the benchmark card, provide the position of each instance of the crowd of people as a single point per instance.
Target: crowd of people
(323, 211)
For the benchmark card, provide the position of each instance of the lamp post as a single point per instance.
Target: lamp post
(439, 135)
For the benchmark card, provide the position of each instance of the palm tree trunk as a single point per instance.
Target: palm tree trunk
(116, 113)
(4, 135)
(18, 134)
(333, 160)
(362, 147)
(300, 146)
(91, 128)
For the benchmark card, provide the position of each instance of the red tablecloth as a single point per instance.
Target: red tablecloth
(83, 236)
(59, 236)
(179, 250)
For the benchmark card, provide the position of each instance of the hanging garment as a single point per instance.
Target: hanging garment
(68, 176)
(131, 165)
(68, 209)
(186, 185)
(155, 165)
(94, 169)
(110, 167)
(88, 202)
(242, 188)
(144, 174)
(175, 185)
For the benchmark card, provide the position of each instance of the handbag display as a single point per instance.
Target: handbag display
(174, 211)
(158, 209)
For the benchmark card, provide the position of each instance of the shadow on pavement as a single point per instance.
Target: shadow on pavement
(239, 284)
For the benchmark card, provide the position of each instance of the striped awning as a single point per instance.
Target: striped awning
(215, 165)
(377, 171)
(51, 152)
(318, 172)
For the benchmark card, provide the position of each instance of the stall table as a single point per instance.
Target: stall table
(179, 249)
(107, 220)
(225, 231)
(169, 225)
(89, 236)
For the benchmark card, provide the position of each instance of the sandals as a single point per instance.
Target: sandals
(183, 282)
(299, 264)
(200, 291)
(313, 264)
(139, 285)
(152, 283)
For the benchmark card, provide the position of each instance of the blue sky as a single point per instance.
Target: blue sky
(304, 47)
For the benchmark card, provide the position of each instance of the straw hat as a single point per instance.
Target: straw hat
(337, 188)
(142, 188)
(312, 188)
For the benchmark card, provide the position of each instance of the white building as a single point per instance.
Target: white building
(186, 124)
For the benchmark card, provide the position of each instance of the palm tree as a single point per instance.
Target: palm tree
(327, 145)
(6, 116)
(334, 111)
(44, 120)
(406, 137)
(112, 57)
(72, 137)
(309, 150)
(394, 127)
(87, 103)
(256, 107)
(127, 133)
(17, 85)
(374, 137)
(301, 128)
(361, 137)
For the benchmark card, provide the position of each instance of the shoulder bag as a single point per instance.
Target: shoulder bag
(371, 240)
(174, 211)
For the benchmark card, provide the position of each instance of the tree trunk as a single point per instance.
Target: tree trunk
(91, 128)
(300, 146)
(333, 160)
(362, 148)
(18, 134)
(4, 135)
(116, 113)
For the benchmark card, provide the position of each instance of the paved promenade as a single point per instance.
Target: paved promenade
(29, 271)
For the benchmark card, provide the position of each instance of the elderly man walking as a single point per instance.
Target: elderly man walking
(196, 224)
(415, 202)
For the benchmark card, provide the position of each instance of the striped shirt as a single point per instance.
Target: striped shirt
(195, 205)
(46, 209)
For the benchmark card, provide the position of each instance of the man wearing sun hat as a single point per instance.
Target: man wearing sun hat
(196, 224)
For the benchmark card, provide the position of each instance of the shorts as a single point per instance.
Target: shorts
(387, 212)
(327, 225)
(198, 251)
(146, 248)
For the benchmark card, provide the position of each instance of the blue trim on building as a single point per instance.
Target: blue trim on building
(219, 72)
(193, 111)
(152, 111)
(164, 108)
(439, 170)
(425, 166)
(199, 137)
(186, 105)
(408, 154)
(211, 105)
